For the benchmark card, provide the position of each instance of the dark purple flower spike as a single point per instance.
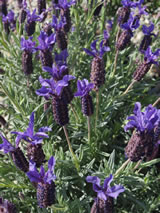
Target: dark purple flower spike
(147, 40)
(23, 12)
(34, 148)
(28, 47)
(60, 34)
(9, 21)
(149, 59)
(45, 180)
(46, 44)
(15, 153)
(64, 6)
(41, 5)
(3, 7)
(141, 143)
(124, 12)
(97, 76)
(7, 206)
(105, 193)
(31, 22)
(126, 35)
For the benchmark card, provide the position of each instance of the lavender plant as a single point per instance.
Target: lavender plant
(70, 192)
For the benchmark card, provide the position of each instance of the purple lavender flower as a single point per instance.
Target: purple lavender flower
(15, 153)
(45, 41)
(97, 53)
(46, 44)
(106, 38)
(52, 88)
(58, 25)
(9, 21)
(124, 12)
(28, 45)
(151, 57)
(56, 72)
(142, 140)
(64, 4)
(23, 12)
(126, 35)
(105, 191)
(6, 146)
(3, 7)
(84, 87)
(147, 40)
(143, 121)
(97, 76)
(109, 25)
(45, 180)
(31, 22)
(41, 176)
(61, 58)
(29, 135)
(60, 34)
(7, 206)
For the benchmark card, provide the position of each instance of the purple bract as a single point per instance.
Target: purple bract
(6, 146)
(55, 72)
(45, 41)
(64, 4)
(84, 87)
(32, 16)
(28, 45)
(29, 135)
(61, 58)
(151, 57)
(52, 88)
(143, 121)
(58, 25)
(42, 176)
(97, 53)
(147, 30)
(104, 191)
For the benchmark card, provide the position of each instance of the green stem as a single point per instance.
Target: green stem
(115, 62)
(71, 150)
(89, 129)
(129, 87)
(122, 167)
(97, 107)
(156, 102)
(137, 165)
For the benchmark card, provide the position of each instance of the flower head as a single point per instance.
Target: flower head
(28, 45)
(147, 30)
(97, 53)
(52, 88)
(42, 176)
(104, 191)
(56, 72)
(6, 146)
(58, 25)
(64, 4)
(128, 3)
(32, 16)
(143, 121)
(84, 87)
(30, 136)
(151, 57)
(131, 24)
(61, 58)
(45, 41)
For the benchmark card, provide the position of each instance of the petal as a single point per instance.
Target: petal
(34, 176)
(107, 182)
(51, 163)
(89, 52)
(30, 129)
(102, 195)
(93, 179)
(115, 191)
(41, 134)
